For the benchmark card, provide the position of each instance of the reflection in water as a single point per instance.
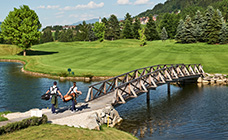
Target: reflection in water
(190, 112)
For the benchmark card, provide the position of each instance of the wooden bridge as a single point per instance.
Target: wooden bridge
(130, 84)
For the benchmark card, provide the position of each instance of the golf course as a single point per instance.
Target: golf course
(111, 58)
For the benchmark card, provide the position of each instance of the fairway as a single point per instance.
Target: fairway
(112, 58)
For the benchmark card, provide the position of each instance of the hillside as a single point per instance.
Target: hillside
(175, 5)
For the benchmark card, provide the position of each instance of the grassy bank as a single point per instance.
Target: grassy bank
(55, 132)
(1, 116)
(112, 58)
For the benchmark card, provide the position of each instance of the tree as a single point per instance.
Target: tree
(113, 29)
(151, 31)
(180, 30)
(198, 23)
(62, 36)
(214, 27)
(164, 35)
(188, 31)
(46, 36)
(142, 37)
(21, 27)
(136, 28)
(207, 18)
(91, 33)
(127, 32)
(66, 36)
(99, 29)
(128, 17)
(223, 33)
(83, 32)
(105, 21)
(170, 22)
(56, 34)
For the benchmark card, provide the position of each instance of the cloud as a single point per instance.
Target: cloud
(59, 13)
(52, 7)
(48, 7)
(142, 2)
(123, 2)
(41, 7)
(90, 5)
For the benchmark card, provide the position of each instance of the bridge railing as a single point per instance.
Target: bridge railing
(157, 73)
(155, 78)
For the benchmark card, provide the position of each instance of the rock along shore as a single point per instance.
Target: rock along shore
(213, 79)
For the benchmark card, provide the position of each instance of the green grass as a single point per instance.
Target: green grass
(57, 132)
(3, 118)
(112, 58)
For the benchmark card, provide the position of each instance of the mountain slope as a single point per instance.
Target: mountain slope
(175, 5)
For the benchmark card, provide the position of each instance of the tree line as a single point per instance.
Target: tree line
(209, 27)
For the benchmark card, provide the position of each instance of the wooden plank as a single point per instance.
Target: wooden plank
(142, 85)
(104, 87)
(201, 69)
(186, 70)
(133, 92)
(168, 75)
(120, 96)
(190, 68)
(196, 69)
(88, 94)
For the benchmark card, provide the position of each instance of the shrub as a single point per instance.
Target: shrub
(33, 121)
(63, 74)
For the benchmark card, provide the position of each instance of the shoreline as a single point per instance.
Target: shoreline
(208, 79)
(37, 74)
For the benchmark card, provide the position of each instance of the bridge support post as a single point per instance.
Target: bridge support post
(168, 88)
(148, 96)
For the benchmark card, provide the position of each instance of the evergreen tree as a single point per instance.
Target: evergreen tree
(46, 36)
(207, 18)
(188, 31)
(113, 29)
(214, 27)
(223, 34)
(136, 27)
(82, 33)
(164, 35)
(91, 34)
(198, 22)
(127, 32)
(56, 34)
(69, 35)
(170, 22)
(180, 30)
(105, 21)
(151, 31)
(62, 36)
(128, 17)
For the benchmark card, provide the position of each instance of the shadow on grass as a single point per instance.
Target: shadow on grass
(32, 53)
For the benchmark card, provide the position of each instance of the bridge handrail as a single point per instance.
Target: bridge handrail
(133, 80)
(130, 72)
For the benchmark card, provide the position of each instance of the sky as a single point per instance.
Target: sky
(67, 12)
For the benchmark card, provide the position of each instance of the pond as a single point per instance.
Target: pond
(189, 112)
